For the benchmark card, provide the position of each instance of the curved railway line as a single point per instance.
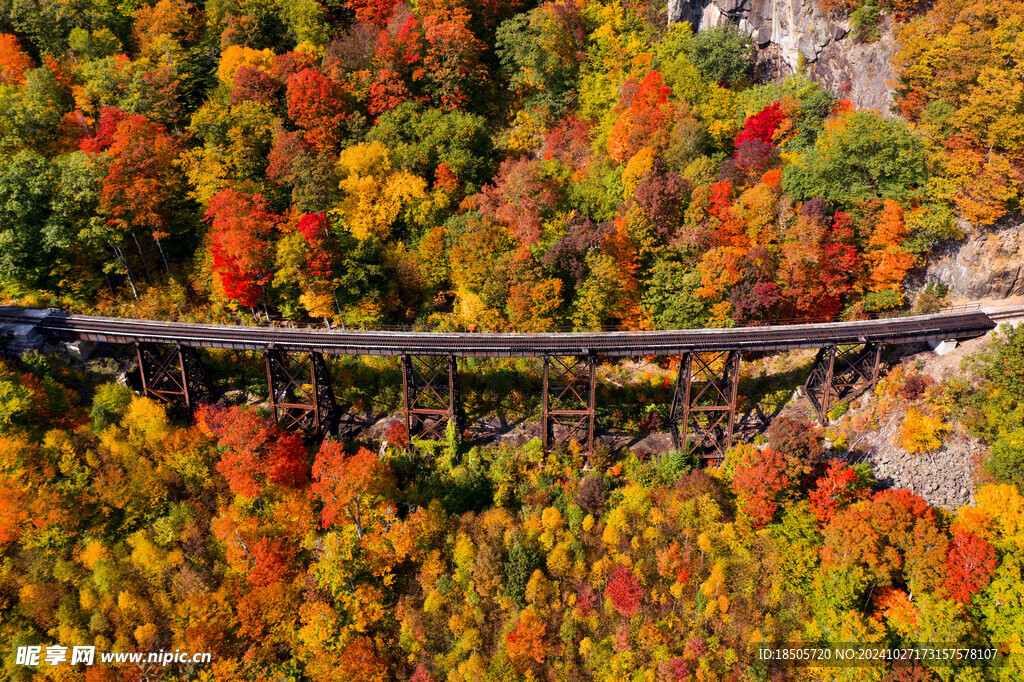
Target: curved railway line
(606, 344)
(702, 413)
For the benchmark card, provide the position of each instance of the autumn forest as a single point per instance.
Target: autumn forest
(494, 165)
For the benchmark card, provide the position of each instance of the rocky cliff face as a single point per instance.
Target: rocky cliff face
(987, 264)
(791, 34)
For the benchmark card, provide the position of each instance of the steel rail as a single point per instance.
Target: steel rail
(59, 325)
(1011, 314)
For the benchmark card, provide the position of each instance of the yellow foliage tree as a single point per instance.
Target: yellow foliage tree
(526, 133)
(757, 207)
(921, 432)
(998, 516)
(637, 165)
(236, 56)
(375, 193)
(981, 183)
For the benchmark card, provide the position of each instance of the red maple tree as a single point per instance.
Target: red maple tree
(106, 126)
(758, 481)
(839, 487)
(256, 451)
(342, 481)
(241, 228)
(762, 125)
(316, 104)
(624, 591)
(970, 565)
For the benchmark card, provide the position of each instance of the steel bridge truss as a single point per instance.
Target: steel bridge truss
(172, 374)
(430, 386)
(841, 373)
(567, 401)
(704, 404)
(301, 396)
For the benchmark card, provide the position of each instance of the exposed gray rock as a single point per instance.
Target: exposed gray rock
(235, 397)
(18, 338)
(987, 264)
(80, 350)
(799, 28)
(799, 34)
(861, 72)
(685, 10)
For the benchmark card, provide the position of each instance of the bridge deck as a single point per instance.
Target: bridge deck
(899, 330)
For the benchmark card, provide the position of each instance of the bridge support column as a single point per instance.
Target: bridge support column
(567, 401)
(301, 396)
(841, 373)
(704, 404)
(430, 387)
(171, 374)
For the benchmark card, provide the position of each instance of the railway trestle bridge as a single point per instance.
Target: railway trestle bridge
(702, 412)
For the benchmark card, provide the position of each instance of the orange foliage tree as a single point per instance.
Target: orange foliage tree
(451, 57)
(889, 261)
(643, 119)
(343, 483)
(362, 663)
(140, 182)
(525, 643)
(256, 451)
(894, 536)
(13, 62)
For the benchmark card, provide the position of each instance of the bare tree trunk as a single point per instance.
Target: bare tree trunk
(138, 246)
(128, 270)
(263, 296)
(109, 285)
(341, 315)
(163, 257)
(245, 547)
(357, 517)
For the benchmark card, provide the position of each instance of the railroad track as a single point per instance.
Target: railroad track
(1010, 314)
(59, 325)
